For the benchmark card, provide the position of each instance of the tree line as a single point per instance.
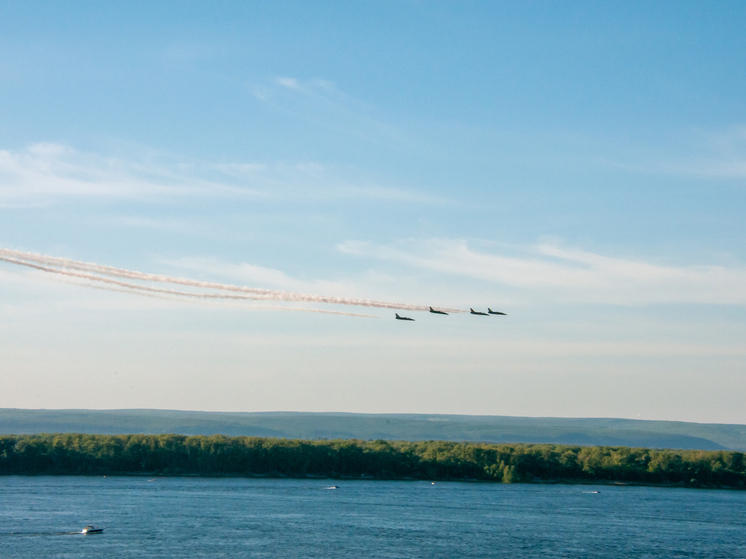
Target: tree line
(75, 454)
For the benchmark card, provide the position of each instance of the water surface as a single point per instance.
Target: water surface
(234, 517)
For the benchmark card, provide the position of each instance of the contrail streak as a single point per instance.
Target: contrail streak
(154, 291)
(177, 299)
(94, 272)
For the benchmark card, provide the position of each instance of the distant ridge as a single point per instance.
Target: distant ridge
(406, 427)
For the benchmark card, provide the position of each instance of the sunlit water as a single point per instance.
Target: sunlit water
(199, 517)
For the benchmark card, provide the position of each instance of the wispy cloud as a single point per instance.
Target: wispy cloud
(315, 181)
(290, 83)
(569, 275)
(716, 154)
(322, 104)
(692, 153)
(327, 92)
(45, 173)
(245, 273)
(181, 226)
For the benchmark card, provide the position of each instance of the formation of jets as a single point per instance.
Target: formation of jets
(432, 310)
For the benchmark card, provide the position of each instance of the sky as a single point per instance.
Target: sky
(579, 166)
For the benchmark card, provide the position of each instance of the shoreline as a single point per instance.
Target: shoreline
(256, 457)
(157, 475)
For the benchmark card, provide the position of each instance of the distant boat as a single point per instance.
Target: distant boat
(91, 530)
(332, 487)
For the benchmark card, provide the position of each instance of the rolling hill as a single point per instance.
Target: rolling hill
(407, 427)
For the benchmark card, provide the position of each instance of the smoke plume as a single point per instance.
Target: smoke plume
(209, 290)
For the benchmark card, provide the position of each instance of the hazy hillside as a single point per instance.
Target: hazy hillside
(411, 427)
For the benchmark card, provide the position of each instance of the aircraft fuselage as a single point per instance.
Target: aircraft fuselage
(403, 318)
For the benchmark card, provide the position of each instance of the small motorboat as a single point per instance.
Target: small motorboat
(91, 530)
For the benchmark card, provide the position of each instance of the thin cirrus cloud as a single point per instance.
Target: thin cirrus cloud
(319, 182)
(569, 275)
(724, 155)
(322, 104)
(251, 274)
(325, 92)
(718, 154)
(45, 173)
(309, 98)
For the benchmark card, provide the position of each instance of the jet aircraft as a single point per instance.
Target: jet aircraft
(479, 313)
(403, 317)
(432, 310)
(490, 311)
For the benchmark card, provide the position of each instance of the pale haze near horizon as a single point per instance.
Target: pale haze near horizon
(581, 167)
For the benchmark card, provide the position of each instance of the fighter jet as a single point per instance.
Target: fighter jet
(432, 310)
(479, 313)
(403, 317)
(490, 311)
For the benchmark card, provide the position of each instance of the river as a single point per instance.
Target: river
(236, 517)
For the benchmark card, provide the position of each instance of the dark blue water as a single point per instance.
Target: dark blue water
(197, 517)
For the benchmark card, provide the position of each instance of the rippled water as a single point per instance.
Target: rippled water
(198, 517)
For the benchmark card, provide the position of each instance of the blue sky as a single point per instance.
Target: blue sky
(580, 166)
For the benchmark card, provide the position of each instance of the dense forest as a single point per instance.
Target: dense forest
(72, 454)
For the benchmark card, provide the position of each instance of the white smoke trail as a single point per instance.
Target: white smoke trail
(94, 272)
(156, 292)
(178, 299)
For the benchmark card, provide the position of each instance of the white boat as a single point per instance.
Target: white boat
(91, 530)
